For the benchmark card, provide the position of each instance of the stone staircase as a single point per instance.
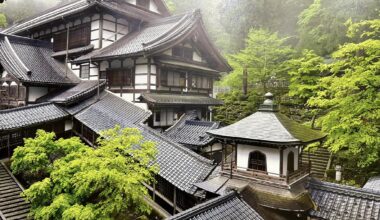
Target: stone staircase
(12, 205)
(319, 161)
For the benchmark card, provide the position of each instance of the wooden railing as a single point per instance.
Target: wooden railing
(303, 170)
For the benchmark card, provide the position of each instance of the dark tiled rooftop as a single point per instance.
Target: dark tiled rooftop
(191, 132)
(373, 183)
(30, 116)
(227, 207)
(341, 202)
(153, 36)
(81, 91)
(30, 61)
(178, 165)
(12, 205)
(177, 99)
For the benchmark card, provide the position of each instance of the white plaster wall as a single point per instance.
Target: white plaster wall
(36, 92)
(94, 72)
(141, 69)
(197, 57)
(168, 52)
(142, 105)
(153, 7)
(153, 79)
(213, 147)
(141, 60)
(128, 97)
(285, 159)
(141, 79)
(68, 125)
(272, 157)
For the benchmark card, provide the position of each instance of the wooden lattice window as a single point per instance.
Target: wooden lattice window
(79, 37)
(257, 161)
(119, 77)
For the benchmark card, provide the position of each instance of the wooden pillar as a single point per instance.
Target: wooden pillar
(223, 147)
(101, 31)
(281, 160)
(154, 191)
(149, 72)
(8, 146)
(175, 201)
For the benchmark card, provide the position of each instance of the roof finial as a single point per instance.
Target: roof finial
(268, 105)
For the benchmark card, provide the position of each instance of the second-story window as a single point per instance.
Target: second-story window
(201, 82)
(79, 37)
(84, 71)
(119, 77)
(143, 3)
(184, 52)
(173, 78)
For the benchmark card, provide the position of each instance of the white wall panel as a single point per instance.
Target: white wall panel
(141, 69)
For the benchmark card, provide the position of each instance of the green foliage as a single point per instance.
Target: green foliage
(101, 183)
(35, 159)
(265, 57)
(3, 21)
(305, 73)
(322, 26)
(236, 106)
(352, 99)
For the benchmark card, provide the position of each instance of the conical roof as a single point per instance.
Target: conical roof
(269, 126)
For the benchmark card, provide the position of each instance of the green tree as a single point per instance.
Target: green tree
(236, 106)
(102, 183)
(305, 72)
(265, 56)
(3, 21)
(35, 159)
(322, 25)
(352, 100)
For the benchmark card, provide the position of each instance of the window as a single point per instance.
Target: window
(201, 82)
(257, 161)
(184, 52)
(143, 3)
(157, 116)
(173, 78)
(79, 37)
(119, 77)
(84, 71)
(290, 162)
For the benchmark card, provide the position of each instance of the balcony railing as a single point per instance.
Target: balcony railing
(280, 179)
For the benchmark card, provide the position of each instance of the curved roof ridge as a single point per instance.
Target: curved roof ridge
(178, 33)
(178, 146)
(167, 32)
(17, 65)
(26, 107)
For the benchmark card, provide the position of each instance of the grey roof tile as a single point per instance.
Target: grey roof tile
(271, 127)
(30, 61)
(337, 201)
(228, 207)
(373, 183)
(178, 165)
(85, 89)
(191, 132)
(30, 116)
(155, 35)
(178, 99)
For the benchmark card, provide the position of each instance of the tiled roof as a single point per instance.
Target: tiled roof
(83, 90)
(75, 51)
(110, 111)
(178, 99)
(30, 116)
(344, 202)
(30, 61)
(373, 183)
(191, 132)
(227, 207)
(269, 127)
(12, 205)
(153, 36)
(76, 6)
(178, 165)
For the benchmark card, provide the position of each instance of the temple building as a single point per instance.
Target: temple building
(164, 63)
